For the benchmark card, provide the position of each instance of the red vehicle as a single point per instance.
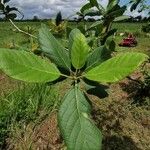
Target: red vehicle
(130, 41)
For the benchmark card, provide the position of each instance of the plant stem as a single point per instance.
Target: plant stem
(66, 76)
(21, 30)
(76, 72)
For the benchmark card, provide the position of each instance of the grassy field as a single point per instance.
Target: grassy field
(10, 37)
(142, 38)
(28, 112)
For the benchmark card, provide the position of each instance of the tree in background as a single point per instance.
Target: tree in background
(58, 19)
(36, 18)
(58, 26)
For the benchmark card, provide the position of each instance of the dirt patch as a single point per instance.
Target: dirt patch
(45, 136)
(48, 135)
(6, 84)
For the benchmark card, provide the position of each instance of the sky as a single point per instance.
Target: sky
(49, 8)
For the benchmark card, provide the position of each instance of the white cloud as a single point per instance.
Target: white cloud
(49, 8)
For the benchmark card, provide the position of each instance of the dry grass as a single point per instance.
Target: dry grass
(44, 136)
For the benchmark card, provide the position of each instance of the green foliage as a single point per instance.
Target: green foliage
(76, 63)
(29, 103)
(98, 56)
(28, 67)
(116, 68)
(135, 4)
(58, 30)
(58, 26)
(8, 11)
(110, 44)
(74, 114)
(94, 3)
(56, 52)
(111, 4)
(79, 51)
(113, 12)
(140, 5)
(121, 18)
(72, 36)
(78, 131)
(85, 7)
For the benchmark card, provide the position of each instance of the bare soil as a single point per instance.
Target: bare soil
(124, 125)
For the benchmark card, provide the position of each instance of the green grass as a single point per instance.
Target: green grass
(28, 103)
(128, 27)
(143, 46)
(10, 37)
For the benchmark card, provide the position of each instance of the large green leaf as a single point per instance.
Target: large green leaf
(11, 16)
(118, 11)
(79, 52)
(28, 67)
(92, 13)
(108, 35)
(97, 24)
(78, 130)
(135, 4)
(110, 44)
(98, 56)
(94, 3)
(9, 9)
(121, 18)
(57, 53)
(85, 7)
(111, 4)
(72, 36)
(116, 68)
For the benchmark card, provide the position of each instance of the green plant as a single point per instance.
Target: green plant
(140, 5)
(8, 11)
(58, 26)
(29, 103)
(76, 64)
(102, 28)
(33, 43)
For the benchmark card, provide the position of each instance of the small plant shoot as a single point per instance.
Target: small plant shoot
(86, 59)
(80, 64)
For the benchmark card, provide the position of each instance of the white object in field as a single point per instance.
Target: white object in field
(121, 34)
